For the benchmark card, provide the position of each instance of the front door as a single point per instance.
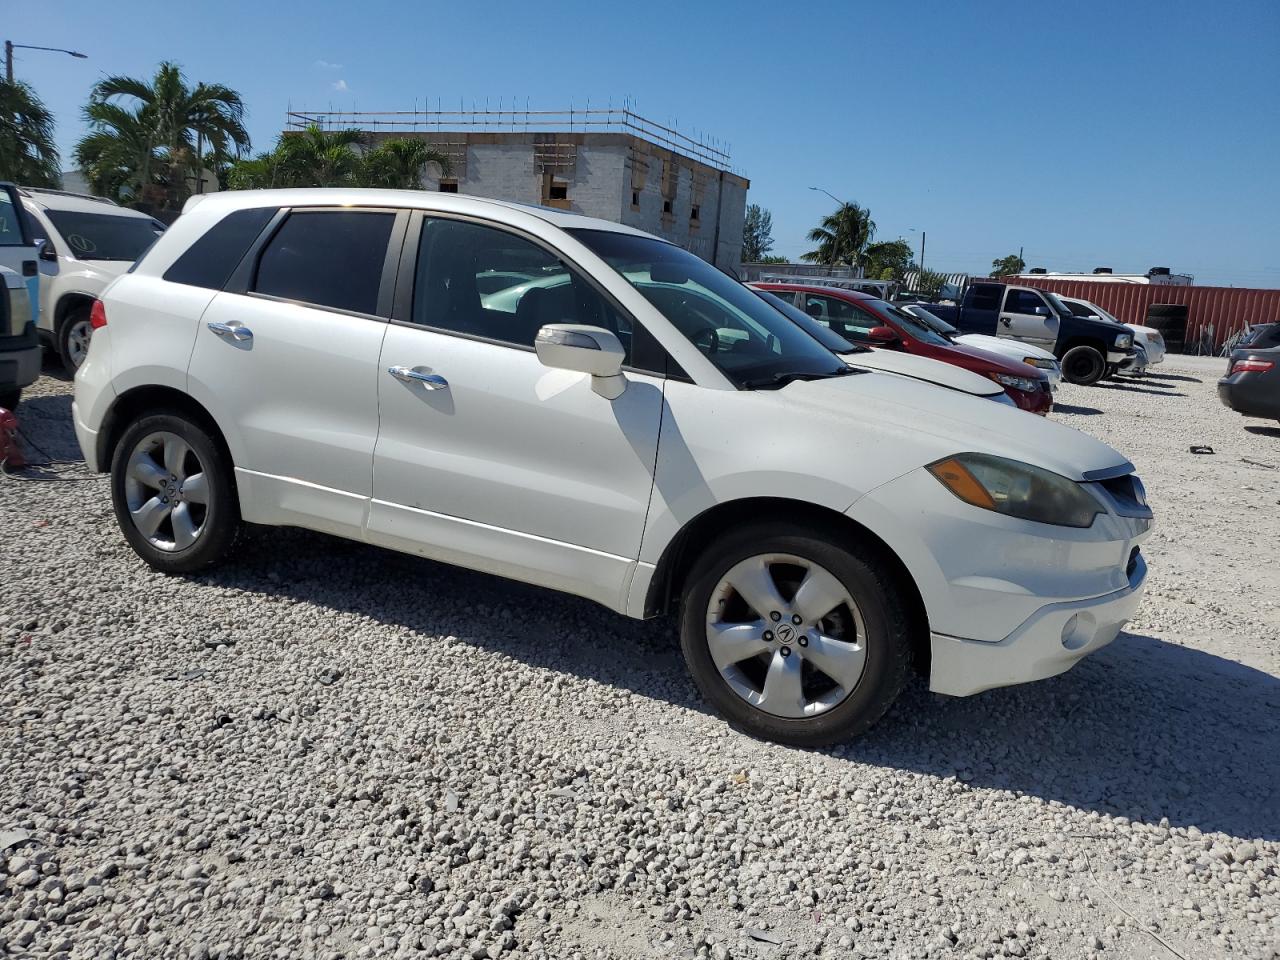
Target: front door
(1027, 317)
(290, 365)
(485, 457)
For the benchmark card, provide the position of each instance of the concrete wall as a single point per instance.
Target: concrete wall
(607, 168)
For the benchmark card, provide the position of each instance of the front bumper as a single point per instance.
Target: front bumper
(1049, 642)
(18, 368)
(1119, 356)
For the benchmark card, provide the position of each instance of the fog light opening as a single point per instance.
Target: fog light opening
(1072, 636)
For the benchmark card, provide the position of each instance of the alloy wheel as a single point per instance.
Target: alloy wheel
(78, 336)
(786, 635)
(166, 491)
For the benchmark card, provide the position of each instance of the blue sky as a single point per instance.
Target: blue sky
(1124, 134)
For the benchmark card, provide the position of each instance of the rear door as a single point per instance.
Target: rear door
(17, 244)
(1027, 316)
(287, 359)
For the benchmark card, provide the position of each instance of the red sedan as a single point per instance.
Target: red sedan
(862, 318)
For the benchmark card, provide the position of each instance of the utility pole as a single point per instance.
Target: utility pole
(922, 251)
(1020, 260)
(8, 61)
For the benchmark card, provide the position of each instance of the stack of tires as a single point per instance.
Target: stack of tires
(1171, 320)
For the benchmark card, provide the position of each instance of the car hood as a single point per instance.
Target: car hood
(987, 360)
(922, 368)
(1004, 346)
(933, 424)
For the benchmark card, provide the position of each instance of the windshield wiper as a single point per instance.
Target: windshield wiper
(779, 380)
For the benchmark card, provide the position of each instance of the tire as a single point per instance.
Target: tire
(875, 663)
(207, 530)
(9, 399)
(73, 338)
(1083, 365)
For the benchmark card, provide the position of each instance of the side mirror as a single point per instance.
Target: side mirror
(584, 349)
(47, 252)
(1041, 311)
(883, 336)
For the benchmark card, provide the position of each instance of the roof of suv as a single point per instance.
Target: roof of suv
(417, 199)
(76, 202)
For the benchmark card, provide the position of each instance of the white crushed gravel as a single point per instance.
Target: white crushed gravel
(325, 750)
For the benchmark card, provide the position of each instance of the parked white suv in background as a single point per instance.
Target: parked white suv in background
(88, 242)
(650, 434)
(1148, 338)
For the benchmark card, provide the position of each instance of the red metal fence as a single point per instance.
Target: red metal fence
(1213, 313)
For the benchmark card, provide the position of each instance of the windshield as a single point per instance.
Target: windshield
(934, 322)
(819, 331)
(912, 325)
(1056, 302)
(105, 236)
(750, 342)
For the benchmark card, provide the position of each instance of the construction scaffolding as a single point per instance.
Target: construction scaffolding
(608, 120)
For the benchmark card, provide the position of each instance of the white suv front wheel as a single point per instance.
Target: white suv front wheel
(794, 635)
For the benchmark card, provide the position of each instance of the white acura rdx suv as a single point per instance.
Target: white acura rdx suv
(648, 434)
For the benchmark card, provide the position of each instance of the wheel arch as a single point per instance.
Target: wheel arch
(147, 399)
(667, 583)
(1083, 341)
(69, 301)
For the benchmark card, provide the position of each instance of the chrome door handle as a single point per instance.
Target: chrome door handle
(233, 330)
(429, 380)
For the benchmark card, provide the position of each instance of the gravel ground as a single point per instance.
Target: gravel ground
(326, 750)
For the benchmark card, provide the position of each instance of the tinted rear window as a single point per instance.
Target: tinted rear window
(209, 261)
(331, 258)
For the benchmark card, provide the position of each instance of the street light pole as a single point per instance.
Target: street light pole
(9, 47)
(829, 194)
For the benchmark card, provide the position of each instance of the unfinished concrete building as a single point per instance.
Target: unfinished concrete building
(612, 164)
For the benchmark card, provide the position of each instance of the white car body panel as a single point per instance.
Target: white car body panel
(527, 472)
(512, 450)
(301, 401)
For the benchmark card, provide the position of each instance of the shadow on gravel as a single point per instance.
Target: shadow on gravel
(45, 422)
(1078, 411)
(1263, 431)
(1129, 388)
(1173, 376)
(1143, 729)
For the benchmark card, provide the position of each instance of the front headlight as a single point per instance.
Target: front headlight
(1016, 489)
(1026, 384)
(1044, 363)
(1124, 341)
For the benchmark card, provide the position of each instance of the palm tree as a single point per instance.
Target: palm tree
(315, 157)
(27, 151)
(118, 153)
(182, 120)
(843, 237)
(398, 164)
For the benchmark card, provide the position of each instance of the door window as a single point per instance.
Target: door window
(1023, 301)
(841, 316)
(484, 282)
(330, 258)
(10, 221)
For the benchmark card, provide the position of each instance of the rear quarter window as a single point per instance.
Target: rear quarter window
(210, 260)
